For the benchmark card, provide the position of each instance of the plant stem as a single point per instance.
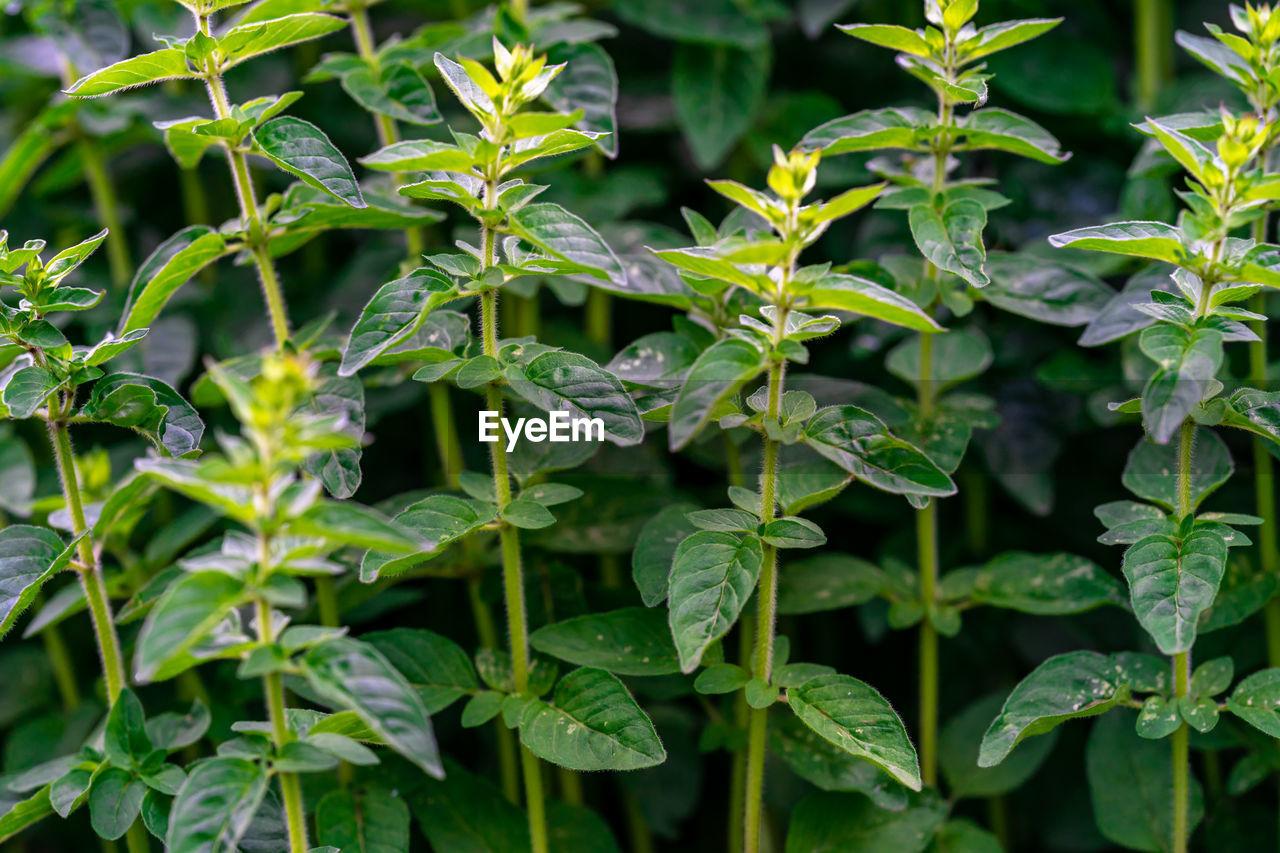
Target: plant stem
(95, 590)
(64, 673)
(487, 633)
(1264, 479)
(927, 550)
(137, 839)
(1182, 660)
(599, 319)
(384, 125)
(1151, 30)
(928, 568)
(1179, 743)
(448, 446)
(327, 601)
(273, 693)
(519, 9)
(255, 228)
(509, 536)
(767, 602)
(641, 836)
(107, 205)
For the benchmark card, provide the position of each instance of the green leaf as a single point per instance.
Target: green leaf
(465, 813)
(166, 64)
(1066, 687)
(345, 523)
(355, 676)
(717, 92)
(301, 149)
(827, 582)
(149, 407)
(712, 577)
(707, 263)
(1045, 584)
(1172, 581)
(1187, 363)
(436, 666)
(869, 130)
(439, 520)
(17, 475)
(65, 262)
(838, 823)
(1154, 240)
(566, 381)
(1256, 700)
(855, 717)
(1151, 470)
(592, 723)
(952, 239)
(958, 754)
(115, 801)
(1006, 131)
(24, 812)
(630, 641)
(1044, 291)
(719, 372)
(655, 548)
(170, 266)
(420, 155)
(395, 312)
(893, 37)
(27, 391)
(851, 293)
(125, 739)
(859, 442)
(363, 821)
(527, 515)
(1131, 786)
(29, 556)
(397, 89)
(588, 83)
(710, 22)
(71, 790)
(215, 805)
(820, 762)
(1002, 36)
(568, 237)
(258, 37)
(187, 612)
(963, 836)
(793, 532)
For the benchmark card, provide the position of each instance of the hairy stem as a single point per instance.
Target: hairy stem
(599, 318)
(1179, 743)
(766, 618)
(1182, 660)
(927, 550)
(388, 133)
(95, 589)
(137, 839)
(487, 632)
(255, 228)
(512, 574)
(273, 693)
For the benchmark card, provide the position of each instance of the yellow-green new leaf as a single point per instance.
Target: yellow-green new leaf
(893, 37)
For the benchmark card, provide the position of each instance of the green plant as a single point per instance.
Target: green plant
(715, 570)
(947, 215)
(321, 201)
(540, 239)
(42, 381)
(1177, 556)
